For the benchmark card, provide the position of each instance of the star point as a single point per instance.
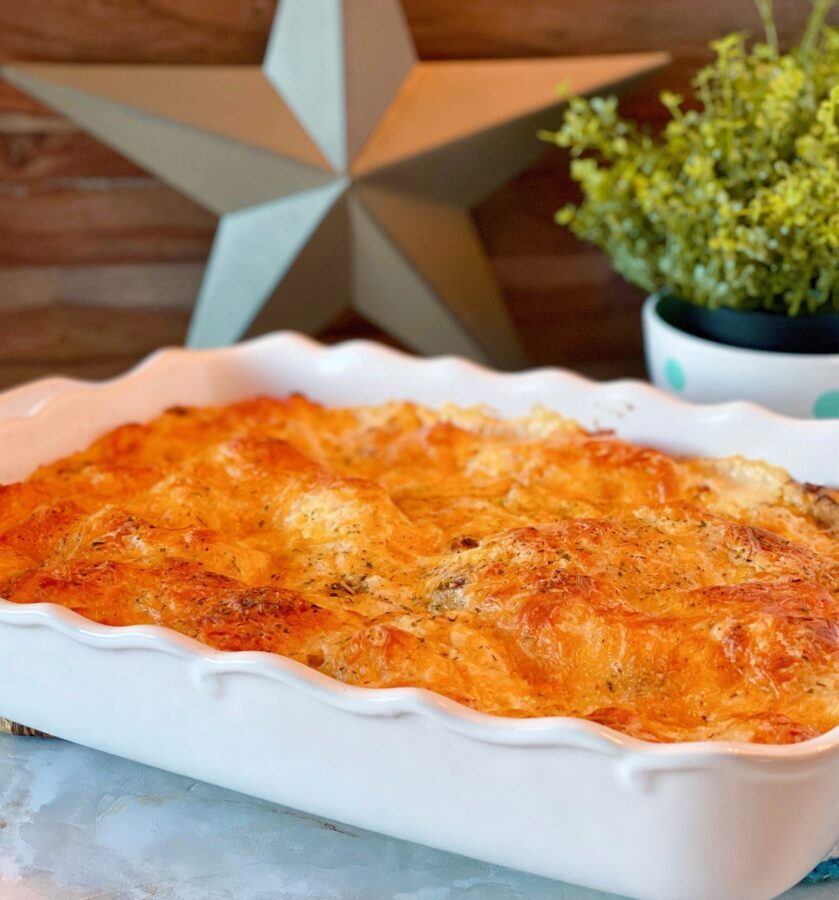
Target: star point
(339, 63)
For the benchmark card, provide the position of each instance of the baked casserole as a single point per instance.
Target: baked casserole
(523, 568)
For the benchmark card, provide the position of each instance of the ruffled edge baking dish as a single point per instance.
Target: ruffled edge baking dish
(752, 819)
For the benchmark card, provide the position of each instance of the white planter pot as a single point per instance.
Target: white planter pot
(795, 384)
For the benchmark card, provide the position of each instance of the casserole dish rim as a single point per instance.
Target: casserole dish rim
(48, 396)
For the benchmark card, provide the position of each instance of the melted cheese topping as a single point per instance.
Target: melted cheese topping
(523, 568)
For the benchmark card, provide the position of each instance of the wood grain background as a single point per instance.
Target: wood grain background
(99, 261)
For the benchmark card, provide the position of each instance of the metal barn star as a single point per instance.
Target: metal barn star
(342, 169)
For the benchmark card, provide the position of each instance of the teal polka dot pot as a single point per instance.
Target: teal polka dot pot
(674, 375)
(701, 370)
(827, 405)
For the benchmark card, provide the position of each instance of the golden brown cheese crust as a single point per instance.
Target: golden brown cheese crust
(523, 568)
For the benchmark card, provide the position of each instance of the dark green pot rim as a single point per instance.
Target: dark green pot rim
(753, 329)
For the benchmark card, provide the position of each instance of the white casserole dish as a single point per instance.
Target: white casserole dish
(559, 797)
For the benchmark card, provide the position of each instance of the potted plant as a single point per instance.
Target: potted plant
(729, 218)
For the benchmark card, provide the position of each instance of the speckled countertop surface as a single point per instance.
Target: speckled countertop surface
(75, 823)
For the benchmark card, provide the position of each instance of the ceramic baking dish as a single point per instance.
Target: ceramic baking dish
(559, 797)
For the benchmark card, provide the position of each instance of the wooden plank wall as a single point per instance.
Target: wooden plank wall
(99, 261)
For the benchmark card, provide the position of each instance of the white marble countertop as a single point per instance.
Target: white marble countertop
(75, 823)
